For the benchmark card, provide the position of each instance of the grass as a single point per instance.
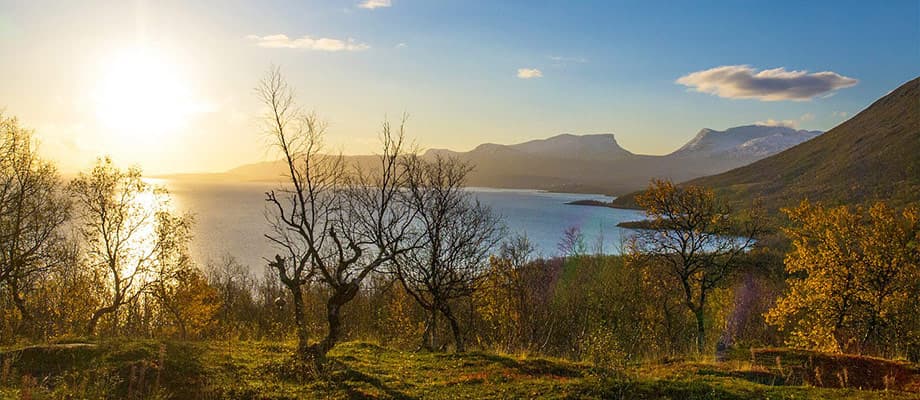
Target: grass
(214, 370)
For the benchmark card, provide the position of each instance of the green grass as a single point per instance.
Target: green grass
(214, 370)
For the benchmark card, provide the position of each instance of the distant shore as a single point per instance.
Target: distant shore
(227, 177)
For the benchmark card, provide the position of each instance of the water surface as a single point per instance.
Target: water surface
(230, 218)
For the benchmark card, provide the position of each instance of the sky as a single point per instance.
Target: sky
(168, 85)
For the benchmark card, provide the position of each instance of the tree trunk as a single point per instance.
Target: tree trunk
(97, 315)
(429, 339)
(303, 336)
(700, 330)
(183, 330)
(342, 295)
(27, 323)
(454, 327)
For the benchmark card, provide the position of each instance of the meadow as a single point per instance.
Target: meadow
(152, 369)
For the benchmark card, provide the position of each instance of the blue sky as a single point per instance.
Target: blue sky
(604, 66)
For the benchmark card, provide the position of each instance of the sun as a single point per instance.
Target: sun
(142, 92)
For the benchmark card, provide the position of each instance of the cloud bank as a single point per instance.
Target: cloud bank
(529, 73)
(282, 41)
(372, 4)
(788, 123)
(745, 82)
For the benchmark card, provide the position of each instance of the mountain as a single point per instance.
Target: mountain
(584, 163)
(597, 163)
(743, 142)
(874, 155)
(586, 147)
(596, 147)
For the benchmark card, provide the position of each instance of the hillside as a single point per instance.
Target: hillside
(874, 155)
(245, 370)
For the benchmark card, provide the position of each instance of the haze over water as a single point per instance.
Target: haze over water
(229, 219)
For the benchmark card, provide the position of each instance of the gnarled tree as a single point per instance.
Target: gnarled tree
(334, 223)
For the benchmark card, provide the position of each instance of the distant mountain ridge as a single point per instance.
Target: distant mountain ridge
(593, 163)
(597, 163)
(601, 146)
(873, 156)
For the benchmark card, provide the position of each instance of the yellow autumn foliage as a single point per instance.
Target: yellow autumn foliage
(854, 276)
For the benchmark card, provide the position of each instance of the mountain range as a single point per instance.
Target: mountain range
(874, 155)
(593, 163)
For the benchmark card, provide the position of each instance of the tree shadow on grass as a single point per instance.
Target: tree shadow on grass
(532, 367)
(44, 360)
(761, 377)
(343, 377)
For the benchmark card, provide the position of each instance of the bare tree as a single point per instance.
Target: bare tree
(458, 234)
(237, 287)
(121, 224)
(572, 243)
(334, 223)
(696, 238)
(32, 211)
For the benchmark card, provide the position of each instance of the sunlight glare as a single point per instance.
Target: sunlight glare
(143, 92)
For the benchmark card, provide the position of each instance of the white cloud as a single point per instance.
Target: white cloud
(529, 73)
(788, 123)
(840, 114)
(282, 41)
(372, 4)
(745, 82)
(401, 45)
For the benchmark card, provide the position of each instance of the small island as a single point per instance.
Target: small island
(641, 224)
(593, 203)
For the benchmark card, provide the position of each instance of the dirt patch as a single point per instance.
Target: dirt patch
(838, 370)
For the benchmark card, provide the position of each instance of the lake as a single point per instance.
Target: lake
(229, 218)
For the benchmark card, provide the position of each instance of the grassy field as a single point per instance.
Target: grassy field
(261, 370)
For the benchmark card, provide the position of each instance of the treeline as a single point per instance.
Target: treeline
(401, 254)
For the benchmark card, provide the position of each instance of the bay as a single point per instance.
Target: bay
(230, 219)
